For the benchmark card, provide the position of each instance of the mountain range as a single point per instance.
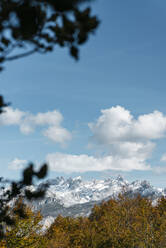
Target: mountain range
(76, 197)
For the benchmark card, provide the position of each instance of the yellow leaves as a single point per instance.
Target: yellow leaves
(3, 244)
(118, 223)
(26, 231)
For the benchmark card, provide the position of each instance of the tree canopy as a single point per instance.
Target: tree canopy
(27, 232)
(31, 26)
(119, 223)
(8, 215)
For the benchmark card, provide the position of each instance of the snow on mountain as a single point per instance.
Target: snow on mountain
(46, 223)
(76, 197)
(76, 191)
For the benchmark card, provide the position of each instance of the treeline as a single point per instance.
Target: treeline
(118, 223)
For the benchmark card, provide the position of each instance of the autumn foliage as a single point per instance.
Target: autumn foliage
(26, 231)
(118, 223)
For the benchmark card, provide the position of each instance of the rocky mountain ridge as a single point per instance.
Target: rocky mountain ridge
(76, 197)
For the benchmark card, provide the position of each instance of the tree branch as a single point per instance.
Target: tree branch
(18, 56)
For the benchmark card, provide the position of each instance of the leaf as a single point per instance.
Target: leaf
(74, 52)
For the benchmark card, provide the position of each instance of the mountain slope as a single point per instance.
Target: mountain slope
(75, 197)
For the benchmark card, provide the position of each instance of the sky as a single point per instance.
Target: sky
(99, 117)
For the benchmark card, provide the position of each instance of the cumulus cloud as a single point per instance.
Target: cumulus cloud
(129, 143)
(69, 163)
(11, 116)
(51, 118)
(28, 122)
(57, 134)
(126, 137)
(17, 164)
(117, 124)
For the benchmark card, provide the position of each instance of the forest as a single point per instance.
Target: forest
(118, 223)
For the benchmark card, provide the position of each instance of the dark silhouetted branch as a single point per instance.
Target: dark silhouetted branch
(18, 56)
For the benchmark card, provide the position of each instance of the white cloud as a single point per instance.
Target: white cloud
(131, 149)
(163, 158)
(11, 116)
(57, 134)
(126, 137)
(128, 142)
(30, 121)
(17, 164)
(27, 123)
(69, 163)
(117, 124)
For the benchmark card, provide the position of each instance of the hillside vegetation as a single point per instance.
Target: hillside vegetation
(118, 223)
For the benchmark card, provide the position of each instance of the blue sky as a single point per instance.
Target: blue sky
(123, 65)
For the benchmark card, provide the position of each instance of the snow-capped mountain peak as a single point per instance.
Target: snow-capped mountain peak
(76, 197)
(72, 191)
